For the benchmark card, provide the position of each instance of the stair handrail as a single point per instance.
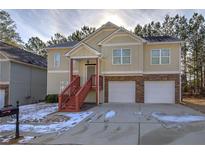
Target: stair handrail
(71, 89)
(82, 93)
(75, 77)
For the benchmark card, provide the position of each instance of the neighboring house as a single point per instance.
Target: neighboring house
(23, 76)
(127, 68)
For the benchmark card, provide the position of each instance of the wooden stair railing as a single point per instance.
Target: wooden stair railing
(65, 97)
(73, 96)
(82, 93)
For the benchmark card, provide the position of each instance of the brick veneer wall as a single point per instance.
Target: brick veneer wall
(6, 88)
(139, 80)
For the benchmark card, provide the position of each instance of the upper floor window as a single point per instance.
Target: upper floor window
(160, 56)
(121, 56)
(57, 59)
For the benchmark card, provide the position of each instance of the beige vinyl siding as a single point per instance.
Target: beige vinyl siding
(174, 58)
(94, 40)
(53, 81)
(82, 51)
(136, 60)
(91, 97)
(64, 62)
(121, 38)
(27, 85)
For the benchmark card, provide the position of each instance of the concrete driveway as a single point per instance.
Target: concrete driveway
(132, 124)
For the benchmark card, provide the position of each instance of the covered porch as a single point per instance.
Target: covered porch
(88, 80)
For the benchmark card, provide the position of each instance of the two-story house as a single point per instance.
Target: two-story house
(112, 65)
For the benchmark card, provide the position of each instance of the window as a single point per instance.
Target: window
(160, 56)
(63, 85)
(121, 56)
(57, 59)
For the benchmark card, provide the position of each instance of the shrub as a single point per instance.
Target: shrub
(52, 98)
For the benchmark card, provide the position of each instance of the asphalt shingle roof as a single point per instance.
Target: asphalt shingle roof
(62, 45)
(161, 39)
(18, 54)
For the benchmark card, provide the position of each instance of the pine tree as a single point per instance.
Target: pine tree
(8, 32)
(37, 46)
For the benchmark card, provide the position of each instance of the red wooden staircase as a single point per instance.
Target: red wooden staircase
(72, 97)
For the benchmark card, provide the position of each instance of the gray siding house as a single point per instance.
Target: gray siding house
(23, 76)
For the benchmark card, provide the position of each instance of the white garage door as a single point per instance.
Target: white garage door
(121, 91)
(159, 91)
(2, 98)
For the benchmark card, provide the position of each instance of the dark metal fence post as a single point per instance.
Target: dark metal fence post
(17, 120)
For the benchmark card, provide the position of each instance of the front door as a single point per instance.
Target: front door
(2, 98)
(90, 71)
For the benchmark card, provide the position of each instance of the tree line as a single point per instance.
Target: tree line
(191, 31)
(34, 44)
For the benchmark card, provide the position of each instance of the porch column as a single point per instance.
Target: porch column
(71, 69)
(97, 81)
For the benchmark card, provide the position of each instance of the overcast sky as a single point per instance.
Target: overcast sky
(44, 23)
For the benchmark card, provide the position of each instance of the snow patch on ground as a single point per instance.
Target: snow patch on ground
(75, 118)
(26, 139)
(7, 139)
(110, 114)
(177, 118)
(35, 112)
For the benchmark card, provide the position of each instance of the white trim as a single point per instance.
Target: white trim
(61, 71)
(162, 72)
(95, 32)
(4, 82)
(54, 60)
(100, 42)
(121, 57)
(174, 42)
(160, 56)
(120, 44)
(108, 38)
(122, 72)
(141, 72)
(86, 46)
(100, 28)
(84, 57)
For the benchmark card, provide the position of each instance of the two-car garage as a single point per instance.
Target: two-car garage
(154, 92)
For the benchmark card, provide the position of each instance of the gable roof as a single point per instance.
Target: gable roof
(20, 55)
(121, 30)
(68, 44)
(164, 38)
(86, 45)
